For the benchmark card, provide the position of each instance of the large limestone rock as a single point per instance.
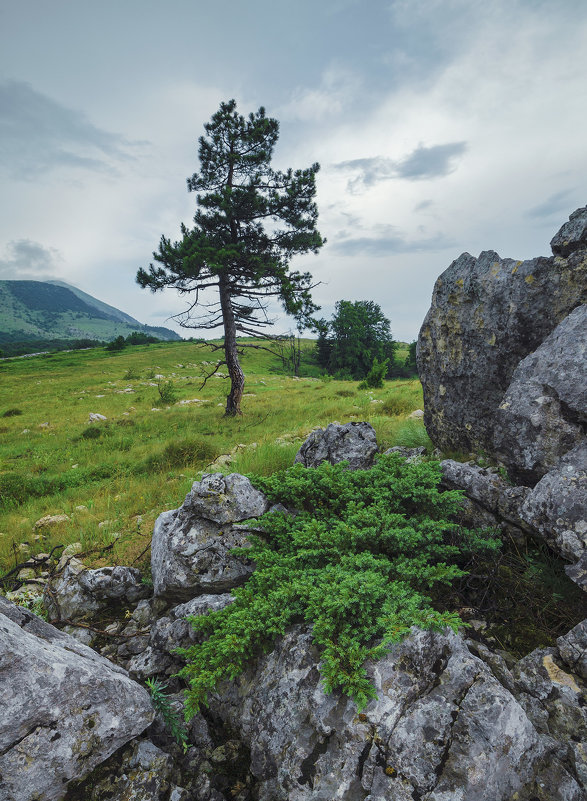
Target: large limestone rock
(352, 442)
(443, 728)
(544, 411)
(64, 708)
(487, 315)
(190, 550)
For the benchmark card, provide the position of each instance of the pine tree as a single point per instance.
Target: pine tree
(249, 223)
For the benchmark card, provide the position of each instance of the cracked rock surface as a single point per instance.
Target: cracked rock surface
(443, 728)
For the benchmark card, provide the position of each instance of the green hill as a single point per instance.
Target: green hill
(52, 310)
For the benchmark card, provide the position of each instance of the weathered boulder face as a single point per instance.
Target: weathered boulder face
(174, 631)
(190, 550)
(65, 709)
(487, 315)
(557, 509)
(352, 442)
(443, 728)
(544, 412)
(78, 591)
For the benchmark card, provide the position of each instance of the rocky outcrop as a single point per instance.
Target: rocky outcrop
(557, 510)
(487, 315)
(64, 708)
(190, 551)
(443, 727)
(543, 414)
(352, 442)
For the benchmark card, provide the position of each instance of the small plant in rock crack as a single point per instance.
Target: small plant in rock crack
(162, 705)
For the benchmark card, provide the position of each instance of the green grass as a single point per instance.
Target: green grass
(145, 456)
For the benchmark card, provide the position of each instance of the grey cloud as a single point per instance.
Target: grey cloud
(391, 243)
(38, 134)
(423, 163)
(27, 259)
(560, 201)
(431, 162)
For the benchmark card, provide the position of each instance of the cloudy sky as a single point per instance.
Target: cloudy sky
(442, 126)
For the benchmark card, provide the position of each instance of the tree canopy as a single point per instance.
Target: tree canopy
(250, 221)
(358, 334)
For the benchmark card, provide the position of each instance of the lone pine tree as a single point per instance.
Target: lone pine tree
(249, 223)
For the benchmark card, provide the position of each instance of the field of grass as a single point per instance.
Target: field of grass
(113, 478)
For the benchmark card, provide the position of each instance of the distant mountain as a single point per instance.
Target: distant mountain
(39, 310)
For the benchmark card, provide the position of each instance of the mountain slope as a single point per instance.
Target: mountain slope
(53, 310)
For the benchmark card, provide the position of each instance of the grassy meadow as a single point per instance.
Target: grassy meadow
(113, 477)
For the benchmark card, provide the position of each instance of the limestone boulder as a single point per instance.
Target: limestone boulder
(65, 709)
(352, 442)
(79, 592)
(543, 414)
(487, 314)
(191, 546)
(443, 727)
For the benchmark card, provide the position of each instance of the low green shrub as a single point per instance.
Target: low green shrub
(92, 432)
(375, 376)
(167, 393)
(180, 453)
(12, 412)
(355, 561)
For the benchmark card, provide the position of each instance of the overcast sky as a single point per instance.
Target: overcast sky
(441, 126)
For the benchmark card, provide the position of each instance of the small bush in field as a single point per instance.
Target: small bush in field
(375, 376)
(167, 393)
(12, 412)
(398, 404)
(181, 453)
(92, 432)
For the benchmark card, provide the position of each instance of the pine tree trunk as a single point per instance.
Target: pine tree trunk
(237, 377)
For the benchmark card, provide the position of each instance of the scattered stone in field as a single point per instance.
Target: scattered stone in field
(249, 395)
(154, 409)
(81, 508)
(221, 461)
(41, 556)
(219, 404)
(100, 396)
(376, 401)
(94, 417)
(70, 550)
(26, 573)
(44, 425)
(192, 400)
(105, 523)
(26, 431)
(74, 466)
(415, 415)
(24, 546)
(50, 520)
(159, 376)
